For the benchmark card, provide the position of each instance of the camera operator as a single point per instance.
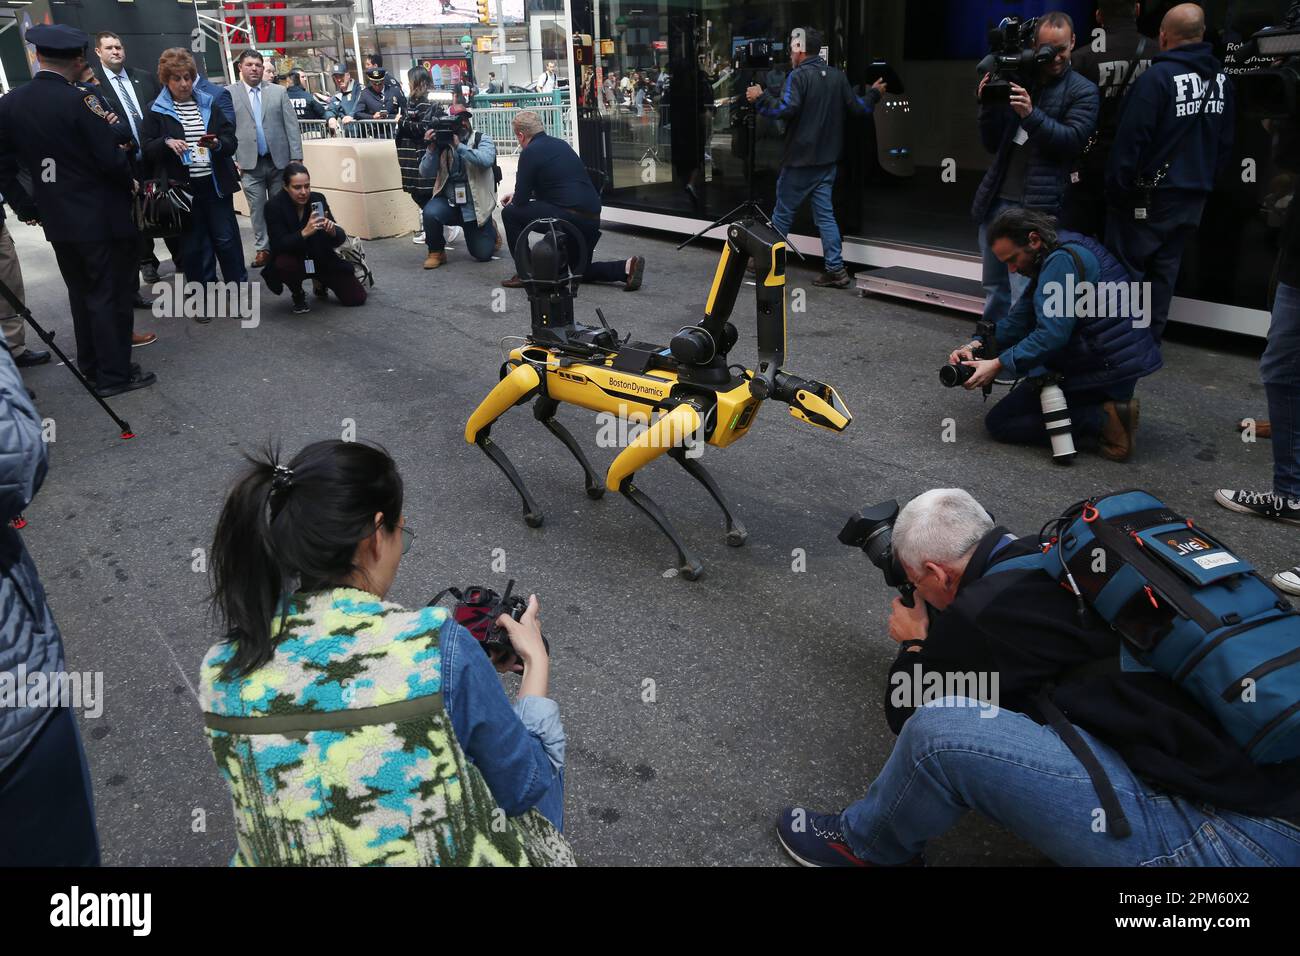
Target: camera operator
(1037, 136)
(1100, 356)
(464, 190)
(1126, 55)
(342, 108)
(812, 104)
(401, 709)
(1174, 140)
(1280, 370)
(1190, 794)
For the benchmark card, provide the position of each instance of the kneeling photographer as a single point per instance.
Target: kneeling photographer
(462, 165)
(1062, 330)
(319, 677)
(1009, 699)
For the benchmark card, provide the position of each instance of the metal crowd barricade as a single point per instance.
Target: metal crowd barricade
(497, 122)
(313, 128)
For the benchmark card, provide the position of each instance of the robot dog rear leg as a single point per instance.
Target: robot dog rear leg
(544, 411)
(736, 533)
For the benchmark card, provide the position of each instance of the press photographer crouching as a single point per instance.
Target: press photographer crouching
(303, 237)
(990, 661)
(319, 678)
(462, 165)
(1079, 327)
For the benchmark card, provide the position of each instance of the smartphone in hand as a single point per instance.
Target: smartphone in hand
(318, 209)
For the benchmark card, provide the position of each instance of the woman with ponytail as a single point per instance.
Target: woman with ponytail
(350, 730)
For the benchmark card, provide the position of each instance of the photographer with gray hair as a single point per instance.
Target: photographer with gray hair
(988, 666)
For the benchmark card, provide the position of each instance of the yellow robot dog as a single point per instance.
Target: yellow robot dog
(687, 391)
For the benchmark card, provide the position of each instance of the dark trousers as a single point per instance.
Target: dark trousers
(174, 248)
(1280, 371)
(47, 812)
(1152, 248)
(212, 236)
(342, 282)
(517, 216)
(101, 279)
(1018, 418)
(480, 241)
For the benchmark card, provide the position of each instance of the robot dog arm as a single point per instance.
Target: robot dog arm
(748, 239)
(812, 402)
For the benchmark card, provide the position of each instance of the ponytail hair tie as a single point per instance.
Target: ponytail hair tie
(283, 478)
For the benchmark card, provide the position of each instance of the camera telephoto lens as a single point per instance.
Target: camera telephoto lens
(953, 375)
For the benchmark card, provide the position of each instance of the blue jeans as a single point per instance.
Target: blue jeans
(212, 236)
(1001, 287)
(1018, 418)
(1279, 369)
(793, 186)
(953, 757)
(479, 240)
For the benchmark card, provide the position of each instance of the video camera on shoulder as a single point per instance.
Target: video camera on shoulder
(1012, 58)
(1274, 91)
(433, 114)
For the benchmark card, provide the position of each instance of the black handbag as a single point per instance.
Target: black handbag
(160, 208)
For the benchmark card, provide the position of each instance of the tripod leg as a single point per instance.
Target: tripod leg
(736, 533)
(667, 433)
(519, 385)
(544, 411)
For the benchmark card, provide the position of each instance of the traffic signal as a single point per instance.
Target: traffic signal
(484, 15)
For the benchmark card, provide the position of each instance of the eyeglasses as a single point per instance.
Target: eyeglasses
(408, 538)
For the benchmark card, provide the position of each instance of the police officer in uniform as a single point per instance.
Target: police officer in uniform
(82, 184)
(1124, 56)
(378, 100)
(304, 104)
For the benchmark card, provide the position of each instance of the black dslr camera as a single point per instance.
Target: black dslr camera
(953, 375)
(872, 530)
(1012, 57)
(431, 115)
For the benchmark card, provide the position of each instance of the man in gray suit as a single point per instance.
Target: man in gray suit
(267, 128)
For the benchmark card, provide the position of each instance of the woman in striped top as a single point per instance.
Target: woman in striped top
(194, 142)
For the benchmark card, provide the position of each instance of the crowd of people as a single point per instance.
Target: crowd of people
(1081, 191)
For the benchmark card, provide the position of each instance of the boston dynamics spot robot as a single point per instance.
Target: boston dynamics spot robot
(686, 392)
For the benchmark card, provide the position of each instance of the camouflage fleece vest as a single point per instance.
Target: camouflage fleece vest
(339, 751)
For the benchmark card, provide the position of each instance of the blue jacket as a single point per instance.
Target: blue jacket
(219, 93)
(28, 635)
(550, 171)
(813, 101)
(1051, 327)
(162, 122)
(1162, 120)
(1064, 117)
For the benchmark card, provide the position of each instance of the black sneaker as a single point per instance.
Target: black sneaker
(834, 280)
(32, 357)
(300, 306)
(1263, 503)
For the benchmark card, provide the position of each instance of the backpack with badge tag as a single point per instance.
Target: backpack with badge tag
(1186, 606)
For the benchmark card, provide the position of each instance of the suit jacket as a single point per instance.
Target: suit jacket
(144, 84)
(52, 124)
(279, 125)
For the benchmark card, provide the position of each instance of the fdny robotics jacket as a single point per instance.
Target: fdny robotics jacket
(812, 102)
(1169, 116)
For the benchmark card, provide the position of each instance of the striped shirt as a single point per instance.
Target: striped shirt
(192, 121)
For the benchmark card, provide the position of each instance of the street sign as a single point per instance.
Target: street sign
(505, 58)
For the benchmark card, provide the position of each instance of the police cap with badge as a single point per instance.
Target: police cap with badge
(376, 74)
(57, 40)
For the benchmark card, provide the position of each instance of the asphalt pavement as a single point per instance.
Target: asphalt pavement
(694, 711)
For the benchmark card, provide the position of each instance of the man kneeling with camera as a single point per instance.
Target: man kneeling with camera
(1081, 323)
(1139, 773)
(461, 164)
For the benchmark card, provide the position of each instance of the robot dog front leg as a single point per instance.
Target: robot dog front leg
(664, 436)
(520, 384)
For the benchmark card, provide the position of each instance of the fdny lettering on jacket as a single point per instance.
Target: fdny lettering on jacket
(1189, 88)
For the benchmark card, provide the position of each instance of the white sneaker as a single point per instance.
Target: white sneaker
(418, 238)
(1288, 581)
(452, 234)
